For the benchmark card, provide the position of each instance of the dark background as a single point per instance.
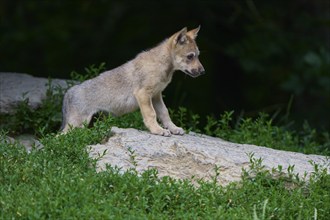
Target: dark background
(259, 55)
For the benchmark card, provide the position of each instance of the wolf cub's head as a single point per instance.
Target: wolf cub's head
(185, 52)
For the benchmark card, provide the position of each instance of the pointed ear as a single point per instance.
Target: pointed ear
(180, 37)
(193, 33)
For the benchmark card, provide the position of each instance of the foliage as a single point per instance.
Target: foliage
(283, 57)
(259, 131)
(60, 181)
(90, 72)
(40, 121)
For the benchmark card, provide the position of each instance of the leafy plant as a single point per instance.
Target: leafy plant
(40, 121)
(90, 72)
(261, 131)
(184, 118)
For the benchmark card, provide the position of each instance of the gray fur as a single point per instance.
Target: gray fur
(137, 83)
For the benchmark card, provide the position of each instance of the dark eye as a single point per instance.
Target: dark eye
(190, 56)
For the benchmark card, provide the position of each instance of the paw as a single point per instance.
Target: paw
(176, 130)
(161, 131)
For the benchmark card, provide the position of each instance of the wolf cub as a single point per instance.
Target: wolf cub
(136, 84)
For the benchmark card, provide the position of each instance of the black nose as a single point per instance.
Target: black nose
(201, 70)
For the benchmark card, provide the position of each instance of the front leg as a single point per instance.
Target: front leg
(164, 116)
(143, 98)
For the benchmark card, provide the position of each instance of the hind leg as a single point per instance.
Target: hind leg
(75, 119)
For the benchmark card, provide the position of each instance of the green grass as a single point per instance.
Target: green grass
(60, 180)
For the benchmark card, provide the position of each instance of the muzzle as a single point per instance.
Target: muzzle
(195, 72)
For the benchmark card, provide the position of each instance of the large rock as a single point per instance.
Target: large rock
(14, 87)
(192, 154)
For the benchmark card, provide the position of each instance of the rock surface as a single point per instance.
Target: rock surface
(192, 154)
(26, 140)
(14, 85)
